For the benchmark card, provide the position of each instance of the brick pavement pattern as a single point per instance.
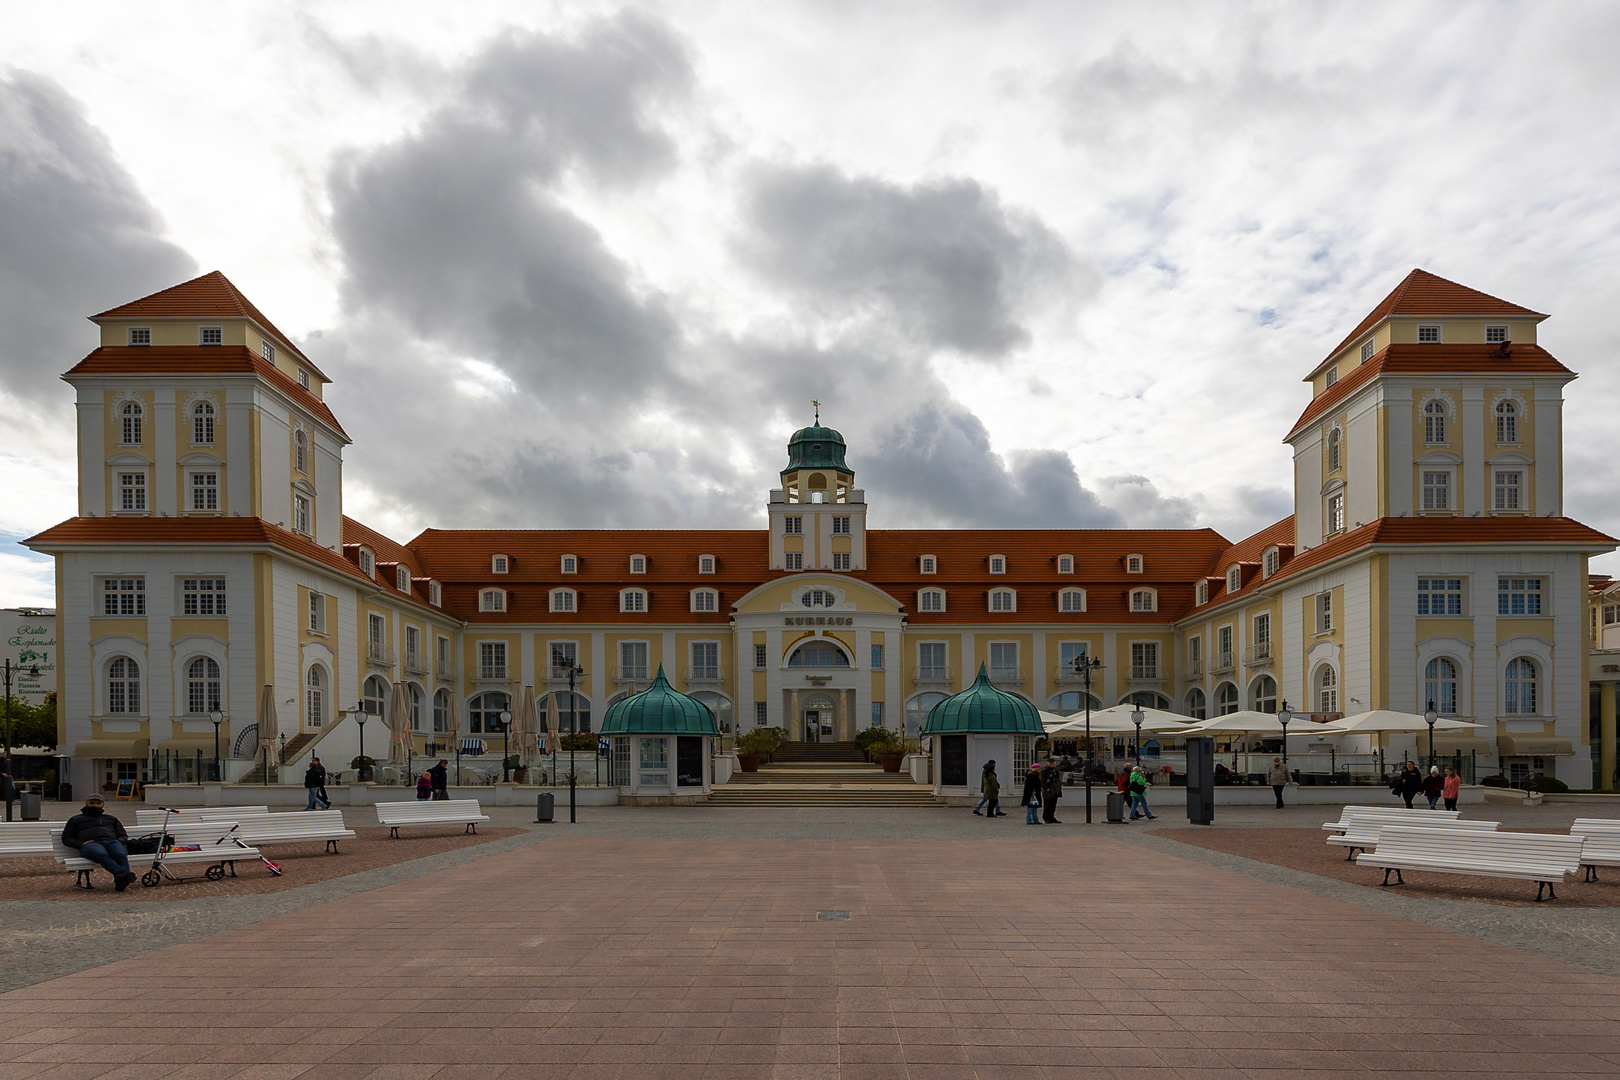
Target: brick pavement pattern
(592, 958)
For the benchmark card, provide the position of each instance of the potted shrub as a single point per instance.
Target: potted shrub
(866, 737)
(753, 747)
(362, 766)
(889, 751)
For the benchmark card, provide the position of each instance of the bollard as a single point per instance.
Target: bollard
(545, 807)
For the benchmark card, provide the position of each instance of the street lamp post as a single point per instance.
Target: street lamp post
(1429, 717)
(506, 744)
(575, 672)
(1084, 665)
(216, 718)
(1137, 716)
(11, 784)
(1283, 716)
(360, 718)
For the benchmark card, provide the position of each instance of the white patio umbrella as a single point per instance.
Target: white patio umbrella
(1386, 721)
(1116, 719)
(399, 726)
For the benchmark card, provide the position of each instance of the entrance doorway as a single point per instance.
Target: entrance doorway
(819, 718)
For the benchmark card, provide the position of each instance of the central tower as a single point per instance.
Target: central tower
(818, 516)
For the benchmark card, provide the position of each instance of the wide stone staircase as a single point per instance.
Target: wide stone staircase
(295, 746)
(822, 783)
(791, 752)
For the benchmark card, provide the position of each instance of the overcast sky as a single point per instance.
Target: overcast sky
(1043, 264)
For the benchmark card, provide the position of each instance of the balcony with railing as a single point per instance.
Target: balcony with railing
(1194, 667)
(1221, 661)
(705, 673)
(558, 673)
(1146, 671)
(417, 662)
(631, 673)
(1003, 675)
(492, 672)
(449, 670)
(1258, 653)
(379, 653)
(933, 673)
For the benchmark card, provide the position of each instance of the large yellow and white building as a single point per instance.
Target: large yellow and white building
(1428, 559)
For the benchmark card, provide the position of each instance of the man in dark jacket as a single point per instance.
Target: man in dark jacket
(1051, 792)
(441, 780)
(1030, 800)
(99, 837)
(1409, 784)
(314, 781)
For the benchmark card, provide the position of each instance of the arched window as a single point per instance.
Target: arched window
(1135, 564)
(718, 704)
(301, 451)
(492, 600)
(130, 424)
(705, 564)
(705, 600)
(633, 600)
(1507, 422)
(1440, 686)
(1072, 600)
(1234, 578)
(1520, 696)
(1226, 699)
(1195, 707)
(414, 700)
(123, 685)
(570, 564)
(1065, 564)
(1327, 690)
(638, 564)
(917, 710)
(1335, 448)
(931, 600)
(314, 698)
(1146, 699)
(928, 564)
(441, 710)
(563, 600)
(202, 423)
(1144, 600)
(374, 695)
(202, 686)
(1263, 692)
(1071, 701)
(1003, 600)
(484, 712)
(570, 717)
(498, 564)
(1434, 422)
(819, 654)
(818, 598)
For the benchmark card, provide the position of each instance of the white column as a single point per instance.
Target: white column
(165, 499)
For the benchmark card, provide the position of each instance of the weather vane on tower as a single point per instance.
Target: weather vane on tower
(817, 404)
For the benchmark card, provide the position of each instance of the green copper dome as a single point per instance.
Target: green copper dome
(983, 710)
(816, 447)
(659, 710)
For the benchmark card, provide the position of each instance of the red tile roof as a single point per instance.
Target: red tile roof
(211, 296)
(1423, 293)
(1437, 359)
(200, 360)
(1249, 553)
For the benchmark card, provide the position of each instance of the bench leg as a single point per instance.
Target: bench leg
(1549, 887)
(393, 832)
(472, 827)
(1350, 854)
(83, 880)
(1591, 873)
(331, 847)
(1399, 880)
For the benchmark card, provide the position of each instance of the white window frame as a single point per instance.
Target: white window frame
(564, 601)
(633, 600)
(1003, 600)
(1065, 564)
(705, 600)
(1144, 600)
(703, 670)
(1135, 564)
(1507, 485)
(301, 451)
(1270, 562)
(435, 594)
(841, 560)
(1436, 422)
(998, 564)
(500, 564)
(1333, 376)
(492, 600)
(793, 560)
(638, 564)
(203, 418)
(200, 592)
(131, 421)
(196, 488)
(1497, 335)
(1201, 592)
(139, 336)
(303, 514)
(568, 564)
(1367, 348)
(488, 669)
(1149, 650)
(926, 597)
(840, 525)
(267, 350)
(945, 665)
(1324, 612)
(128, 684)
(1530, 589)
(1072, 600)
(793, 525)
(1428, 334)
(1436, 498)
(315, 617)
(205, 332)
(368, 563)
(1437, 602)
(762, 655)
(1333, 519)
(130, 490)
(1506, 415)
(1325, 688)
(303, 378)
(402, 578)
(1335, 449)
(644, 667)
(706, 564)
(928, 564)
(1234, 579)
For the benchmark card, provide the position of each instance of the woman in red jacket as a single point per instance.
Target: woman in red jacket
(1451, 788)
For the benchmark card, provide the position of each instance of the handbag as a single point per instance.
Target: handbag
(147, 844)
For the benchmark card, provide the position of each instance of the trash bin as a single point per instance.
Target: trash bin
(545, 807)
(64, 792)
(30, 806)
(1116, 807)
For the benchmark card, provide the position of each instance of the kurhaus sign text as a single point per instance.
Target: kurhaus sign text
(818, 620)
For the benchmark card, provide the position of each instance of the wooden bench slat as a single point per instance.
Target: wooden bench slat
(427, 812)
(1541, 858)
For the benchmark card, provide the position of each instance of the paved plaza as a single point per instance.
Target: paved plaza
(828, 942)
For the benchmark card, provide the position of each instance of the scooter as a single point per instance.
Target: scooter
(159, 871)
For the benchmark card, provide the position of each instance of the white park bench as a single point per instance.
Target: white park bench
(211, 836)
(1394, 815)
(1533, 857)
(1361, 834)
(1602, 843)
(27, 839)
(294, 828)
(151, 817)
(427, 812)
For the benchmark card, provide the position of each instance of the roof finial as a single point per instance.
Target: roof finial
(817, 404)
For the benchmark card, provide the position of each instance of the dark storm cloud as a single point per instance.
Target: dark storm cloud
(945, 259)
(76, 236)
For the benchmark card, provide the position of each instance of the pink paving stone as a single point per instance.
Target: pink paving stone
(704, 959)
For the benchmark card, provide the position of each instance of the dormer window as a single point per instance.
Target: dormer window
(928, 564)
(268, 351)
(1332, 377)
(705, 600)
(1234, 579)
(210, 335)
(1366, 351)
(564, 600)
(1144, 600)
(492, 600)
(140, 335)
(1134, 564)
(633, 600)
(498, 564)
(1429, 334)
(931, 600)
(1065, 564)
(638, 564)
(1270, 562)
(435, 594)
(1003, 600)
(998, 564)
(1201, 593)
(368, 563)
(303, 378)
(705, 564)
(402, 578)
(570, 564)
(1496, 335)
(1072, 600)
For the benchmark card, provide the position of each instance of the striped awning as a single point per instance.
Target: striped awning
(472, 746)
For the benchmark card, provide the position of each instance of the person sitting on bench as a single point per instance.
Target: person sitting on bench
(100, 837)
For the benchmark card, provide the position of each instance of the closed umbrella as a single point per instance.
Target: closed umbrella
(269, 727)
(452, 732)
(523, 725)
(399, 726)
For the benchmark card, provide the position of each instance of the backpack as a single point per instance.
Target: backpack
(147, 844)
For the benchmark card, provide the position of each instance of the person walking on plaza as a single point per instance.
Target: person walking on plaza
(1051, 792)
(1277, 776)
(990, 788)
(1451, 788)
(1031, 798)
(1137, 787)
(424, 787)
(441, 780)
(1433, 785)
(989, 767)
(100, 837)
(1408, 783)
(314, 782)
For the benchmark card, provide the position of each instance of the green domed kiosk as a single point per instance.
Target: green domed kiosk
(979, 725)
(662, 745)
